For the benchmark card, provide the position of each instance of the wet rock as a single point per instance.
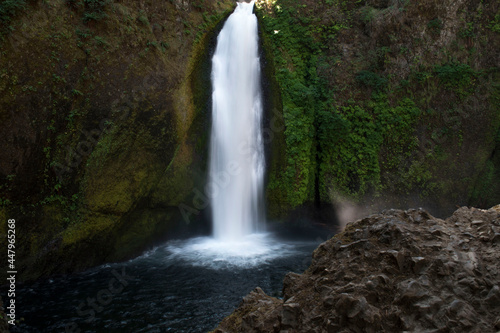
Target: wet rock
(418, 274)
(419, 264)
(429, 305)
(496, 238)
(290, 315)
(497, 324)
(477, 223)
(329, 301)
(412, 291)
(493, 296)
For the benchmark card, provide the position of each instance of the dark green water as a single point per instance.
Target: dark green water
(182, 286)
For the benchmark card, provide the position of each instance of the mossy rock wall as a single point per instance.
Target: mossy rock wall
(387, 104)
(105, 115)
(97, 116)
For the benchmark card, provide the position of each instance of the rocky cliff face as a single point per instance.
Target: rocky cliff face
(103, 125)
(104, 115)
(391, 103)
(390, 272)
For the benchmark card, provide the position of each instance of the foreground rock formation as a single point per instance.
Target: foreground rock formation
(395, 271)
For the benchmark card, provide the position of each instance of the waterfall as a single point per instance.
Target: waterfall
(237, 164)
(236, 167)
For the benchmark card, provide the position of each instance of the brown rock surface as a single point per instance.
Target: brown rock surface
(395, 271)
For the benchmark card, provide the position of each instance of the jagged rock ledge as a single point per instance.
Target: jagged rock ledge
(392, 272)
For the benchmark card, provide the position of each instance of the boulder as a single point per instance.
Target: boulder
(398, 270)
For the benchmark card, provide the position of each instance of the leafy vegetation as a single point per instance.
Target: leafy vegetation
(374, 103)
(296, 59)
(495, 24)
(372, 80)
(360, 137)
(8, 10)
(95, 10)
(340, 145)
(435, 26)
(456, 76)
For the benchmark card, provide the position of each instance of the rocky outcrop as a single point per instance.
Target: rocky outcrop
(390, 272)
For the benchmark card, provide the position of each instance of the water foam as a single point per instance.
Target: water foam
(250, 251)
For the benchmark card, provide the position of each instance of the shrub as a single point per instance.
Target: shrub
(456, 76)
(435, 26)
(372, 80)
(94, 10)
(9, 9)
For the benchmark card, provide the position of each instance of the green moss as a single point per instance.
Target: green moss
(273, 126)
(352, 156)
(295, 63)
(142, 227)
(357, 124)
(456, 76)
(372, 80)
(486, 185)
(177, 181)
(486, 192)
(8, 10)
(435, 26)
(95, 224)
(495, 23)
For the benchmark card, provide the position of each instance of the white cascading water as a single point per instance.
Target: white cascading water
(236, 170)
(236, 143)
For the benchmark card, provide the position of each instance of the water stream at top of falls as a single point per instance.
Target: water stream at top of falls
(236, 170)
